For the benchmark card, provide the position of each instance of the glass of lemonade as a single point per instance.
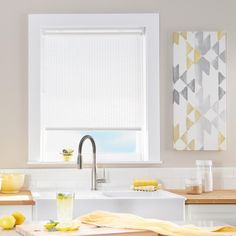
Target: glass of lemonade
(65, 206)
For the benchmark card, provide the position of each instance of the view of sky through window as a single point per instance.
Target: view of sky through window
(114, 141)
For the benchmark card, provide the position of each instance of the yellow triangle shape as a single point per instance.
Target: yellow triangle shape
(196, 56)
(175, 38)
(189, 48)
(191, 145)
(189, 108)
(220, 34)
(184, 137)
(189, 123)
(221, 138)
(184, 35)
(197, 115)
(176, 133)
(189, 63)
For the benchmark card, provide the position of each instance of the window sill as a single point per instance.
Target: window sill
(141, 164)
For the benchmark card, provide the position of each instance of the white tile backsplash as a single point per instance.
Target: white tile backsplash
(118, 178)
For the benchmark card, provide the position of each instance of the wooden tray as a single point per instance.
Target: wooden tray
(85, 230)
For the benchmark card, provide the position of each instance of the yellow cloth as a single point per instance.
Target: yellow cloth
(128, 221)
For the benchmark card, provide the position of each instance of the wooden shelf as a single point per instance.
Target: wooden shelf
(226, 196)
(21, 198)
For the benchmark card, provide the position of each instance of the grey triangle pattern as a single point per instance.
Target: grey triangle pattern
(198, 74)
(203, 45)
(215, 63)
(198, 38)
(222, 56)
(220, 77)
(183, 77)
(221, 92)
(184, 93)
(196, 88)
(175, 97)
(176, 74)
(204, 65)
(216, 48)
(191, 85)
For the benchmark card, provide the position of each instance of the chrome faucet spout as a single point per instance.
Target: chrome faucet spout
(80, 160)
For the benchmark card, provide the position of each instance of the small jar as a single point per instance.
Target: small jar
(204, 172)
(193, 186)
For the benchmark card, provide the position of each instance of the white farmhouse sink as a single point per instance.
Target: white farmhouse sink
(160, 204)
(139, 194)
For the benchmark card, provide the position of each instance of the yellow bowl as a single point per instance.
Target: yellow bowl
(12, 183)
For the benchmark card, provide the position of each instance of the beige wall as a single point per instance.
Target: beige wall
(174, 15)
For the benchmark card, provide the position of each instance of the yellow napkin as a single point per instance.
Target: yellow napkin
(129, 221)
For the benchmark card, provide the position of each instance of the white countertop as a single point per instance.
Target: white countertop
(8, 233)
(112, 195)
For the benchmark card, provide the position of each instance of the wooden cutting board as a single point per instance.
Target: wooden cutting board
(85, 230)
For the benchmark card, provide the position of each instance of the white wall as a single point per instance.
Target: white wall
(117, 178)
(174, 15)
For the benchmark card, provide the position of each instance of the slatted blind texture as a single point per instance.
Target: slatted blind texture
(92, 80)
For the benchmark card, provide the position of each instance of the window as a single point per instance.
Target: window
(94, 74)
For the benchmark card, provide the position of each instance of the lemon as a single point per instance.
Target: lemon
(60, 196)
(7, 222)
(68, 226)
(64, 196)
(50, 225)
(67, 151)
(67, 157)
(19, 217)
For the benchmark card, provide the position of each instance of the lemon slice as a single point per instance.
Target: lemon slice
(68, 226)
(50, 225)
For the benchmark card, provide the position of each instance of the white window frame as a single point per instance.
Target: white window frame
(148, 21)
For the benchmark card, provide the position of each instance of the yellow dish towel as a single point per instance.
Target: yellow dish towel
(128, 221)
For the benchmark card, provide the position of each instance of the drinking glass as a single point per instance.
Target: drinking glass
(65, 206)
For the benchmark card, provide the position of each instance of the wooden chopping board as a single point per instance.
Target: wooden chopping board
(85, 230)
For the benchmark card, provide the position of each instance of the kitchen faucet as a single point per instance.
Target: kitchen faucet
(94, 179)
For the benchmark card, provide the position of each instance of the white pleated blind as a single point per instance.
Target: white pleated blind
(92, 80)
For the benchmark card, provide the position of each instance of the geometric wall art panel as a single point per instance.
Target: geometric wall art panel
(199, 94)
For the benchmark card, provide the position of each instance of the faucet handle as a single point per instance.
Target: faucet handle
(103, 178)
(101, 181)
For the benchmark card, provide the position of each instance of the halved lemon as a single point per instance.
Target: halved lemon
(68, 226)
